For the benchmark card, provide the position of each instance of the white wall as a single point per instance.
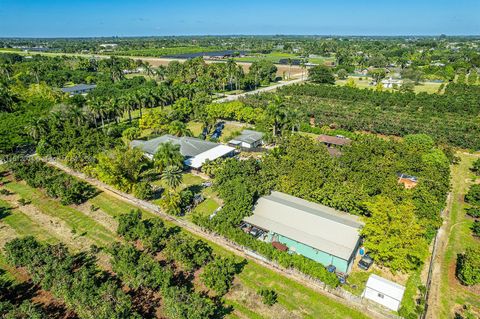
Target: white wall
(386, 301)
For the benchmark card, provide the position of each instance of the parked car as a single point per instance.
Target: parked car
(366, 262)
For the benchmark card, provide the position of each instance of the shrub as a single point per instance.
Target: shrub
(476, 167)
(143, 190)
(474, 211)
(269, 296)
(473, 195)
(468, 266)
(218, 274)
(476, 228)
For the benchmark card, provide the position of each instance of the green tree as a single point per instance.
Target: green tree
(473, 195)
(393, 236)
(172, 175)
(468, 266)
(219, 273)
(269, 296)
(321, 74)
(342, 74)
(168, 154)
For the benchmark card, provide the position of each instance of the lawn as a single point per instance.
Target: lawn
(453, 294)
(76, 220)
(206, 208)
(24, 225)
(195, 127)
(364, 83)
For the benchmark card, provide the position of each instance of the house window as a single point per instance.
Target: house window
(380, 295)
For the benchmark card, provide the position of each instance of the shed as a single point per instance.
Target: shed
(383, 291)
(78, 89)
(334, 140)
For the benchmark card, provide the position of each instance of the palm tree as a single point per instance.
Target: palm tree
(171, 202)
(179, 128)
(278, 116)
(149, 71)
(168, 154)
(172, 175)
(6, 70)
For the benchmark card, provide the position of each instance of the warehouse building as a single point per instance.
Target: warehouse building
(315, 231)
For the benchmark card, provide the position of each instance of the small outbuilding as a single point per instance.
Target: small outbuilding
(248, 139)
(331, 141)
(385, 292)
(408, 181)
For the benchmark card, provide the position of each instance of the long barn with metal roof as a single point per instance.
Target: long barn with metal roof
(315, 231)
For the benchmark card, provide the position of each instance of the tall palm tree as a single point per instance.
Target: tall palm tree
(179, 128)
(168, 154)
(276, 111)
(172, 175)
(6, 69)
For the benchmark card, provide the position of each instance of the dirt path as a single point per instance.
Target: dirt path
(365, 307)
(7, 233)
(99, 216)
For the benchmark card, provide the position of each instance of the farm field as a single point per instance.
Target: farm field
(452, 295)
(79, 227)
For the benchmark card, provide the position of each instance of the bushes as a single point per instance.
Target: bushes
(72, 278)
(269, 296)
(191, 253)
(476, 167)
(56, 183)
(468, 266)
(474, 211)
(473, 195)
(218, 274)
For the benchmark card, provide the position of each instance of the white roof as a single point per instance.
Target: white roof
(211, 154)
(386, 287)
(315, 225)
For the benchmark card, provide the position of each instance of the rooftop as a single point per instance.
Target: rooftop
(195, 150)
(249, 136)
(78, 87)
(189, 146)
(385, 286)
(315, 225)
(335, 140)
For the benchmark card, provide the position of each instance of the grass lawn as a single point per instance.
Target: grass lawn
(229, 129)
(453, 294)
(195, 127)
(74, 219)
(24, 225)
(364, 83)
(206, 208)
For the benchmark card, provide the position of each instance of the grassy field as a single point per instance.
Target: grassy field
(453, 294)
(276, 56)
(295, 301)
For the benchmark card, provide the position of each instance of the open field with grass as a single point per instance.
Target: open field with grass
(364, 83)
(453, 295)
(295, 301)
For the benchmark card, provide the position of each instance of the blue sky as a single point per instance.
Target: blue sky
(42, 18)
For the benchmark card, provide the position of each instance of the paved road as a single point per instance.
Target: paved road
(261, 90)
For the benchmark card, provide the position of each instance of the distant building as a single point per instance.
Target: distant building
(385, 292)
(315, 231)
(334, 140)
(78, 89)
(248, 139)
(391, 83)
(195, 150)
(290, 61)
(108, 45)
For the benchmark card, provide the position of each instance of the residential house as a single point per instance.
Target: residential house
(247, 139)
(195, 150)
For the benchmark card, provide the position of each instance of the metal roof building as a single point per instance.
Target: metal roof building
(248, 139)
(195, 150)
(78, 89)
(316, 231)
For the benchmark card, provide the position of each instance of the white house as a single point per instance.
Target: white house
(383, 291)
(248, 139)
(390, 83)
